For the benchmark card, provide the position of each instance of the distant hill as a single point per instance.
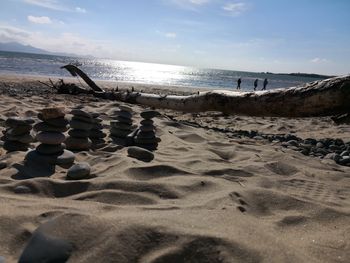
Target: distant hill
(17, 47)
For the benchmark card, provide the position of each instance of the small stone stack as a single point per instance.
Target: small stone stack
(50, 131)
(17, 135)
(146, 137)
(80, 124)
(121, 125)
(96, 134)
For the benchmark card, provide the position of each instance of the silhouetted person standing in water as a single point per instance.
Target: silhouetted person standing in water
(255, 84)
(265, 84)
(239, 81)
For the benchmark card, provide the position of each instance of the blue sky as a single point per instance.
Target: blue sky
(252, 35)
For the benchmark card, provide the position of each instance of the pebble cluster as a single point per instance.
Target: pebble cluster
(146, 137)
(17, 135)
(96, 134)
(51, 150)
(327, 148)
(80, 124)
(121, 125)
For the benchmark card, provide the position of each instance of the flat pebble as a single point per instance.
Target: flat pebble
(140, 153)
(79, 171)
(22, 189)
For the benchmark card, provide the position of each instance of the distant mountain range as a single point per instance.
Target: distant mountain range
(17, 47)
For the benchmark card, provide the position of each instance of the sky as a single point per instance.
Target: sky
(311, 36)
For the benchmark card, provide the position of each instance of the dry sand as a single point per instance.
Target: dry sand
(205, 197)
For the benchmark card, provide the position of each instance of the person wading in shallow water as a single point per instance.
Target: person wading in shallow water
(239, 81)
(265, 84)
(255, 84)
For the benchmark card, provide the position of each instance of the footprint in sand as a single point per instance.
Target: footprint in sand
(315, 191)
(238, 199)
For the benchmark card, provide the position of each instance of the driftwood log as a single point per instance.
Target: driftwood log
(319, 98)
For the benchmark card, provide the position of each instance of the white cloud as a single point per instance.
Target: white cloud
(319, 60)
(49, 4)
(170, 35)
(189, 4)
(80, 10)
(39, 19)
(55, 5)
(236, 8)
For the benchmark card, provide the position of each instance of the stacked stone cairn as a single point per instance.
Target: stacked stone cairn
(80, 124)
(146, 136)
(50, 151)
(121, 125)
(96, 134)
(17, 136)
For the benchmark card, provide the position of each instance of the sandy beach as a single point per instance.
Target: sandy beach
(219, 189)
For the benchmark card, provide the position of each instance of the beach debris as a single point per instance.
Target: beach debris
(121, 124)
(50, 151)
(79, 171)
(80, 124)
(17, 135)
(96, 134)
(140, 153)
(146, 137)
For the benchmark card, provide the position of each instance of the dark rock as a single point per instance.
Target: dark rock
(344, 161)
(80, 125)
(73, 143)
(125, 108)
(124, 120)
(310, 141)
(66, 159)
(18, 130)
(78, 112)
(119, 133)
(24, 138)
(97, 134)
(120, 125)
(52, 113)
(12, 146)
(57, 122)
(292, 143)
(83, 119)
(44, 248)
(79, 133)
(50, 137)
(147, 141)
(149, 114)
(319, 145)
(43, 126)
(145, 135)
(18, 121)
(146, 122)
(140, 153)
(79, 171)
(124, 114)
(147, 128)
(345, 153)
(50, 149)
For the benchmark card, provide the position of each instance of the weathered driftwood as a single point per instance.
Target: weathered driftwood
(75, 71)
(319, 98)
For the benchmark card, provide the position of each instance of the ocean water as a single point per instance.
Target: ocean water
(144, 73)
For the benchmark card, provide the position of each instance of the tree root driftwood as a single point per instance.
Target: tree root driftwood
(319, 98)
